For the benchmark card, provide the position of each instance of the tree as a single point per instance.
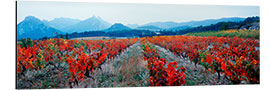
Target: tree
(45, 38)
(26, 42)
(224, 26)
(66, 35)
(61, 36)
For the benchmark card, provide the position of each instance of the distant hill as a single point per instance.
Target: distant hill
(212, 21)
(91, 24)
(151, 28)
(163, 25)
(250, 23)
(167, 25)
(117, 27)
(179, 28)
(61, 23)
(132, 25)
(121, 33)
(34, 28)
(120, 30)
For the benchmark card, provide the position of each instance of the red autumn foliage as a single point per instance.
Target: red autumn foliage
(82, 56)
(237, 58)
(160, 74)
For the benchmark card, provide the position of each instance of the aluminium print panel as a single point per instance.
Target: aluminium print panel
(95, 45)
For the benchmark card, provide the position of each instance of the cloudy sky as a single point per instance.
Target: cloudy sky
(130, 13)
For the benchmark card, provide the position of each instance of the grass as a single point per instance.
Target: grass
(229, 33)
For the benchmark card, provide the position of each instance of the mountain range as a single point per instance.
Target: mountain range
(212, 21)
(117, 27)
(133, 25)
(150, 27)
(61, 23)
(170, 24)
(93, 23)
(34, 28)
(250, 23)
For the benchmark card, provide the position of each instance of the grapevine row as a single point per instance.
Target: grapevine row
(160, 74)
(82, 56)
(237, 58)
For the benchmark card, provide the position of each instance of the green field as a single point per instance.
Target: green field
(229, 33)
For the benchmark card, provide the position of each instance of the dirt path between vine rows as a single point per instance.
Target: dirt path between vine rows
(125, 70)
(129, 70)
(194, 76)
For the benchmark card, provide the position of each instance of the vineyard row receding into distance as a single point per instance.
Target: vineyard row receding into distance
(171, 61)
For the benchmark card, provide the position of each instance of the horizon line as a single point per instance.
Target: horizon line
(137, 23)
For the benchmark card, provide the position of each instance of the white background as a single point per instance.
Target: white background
(8, 28)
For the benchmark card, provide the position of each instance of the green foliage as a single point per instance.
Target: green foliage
(67, 36)
(61, 36)
(229, 33)
(77, 45)
(224, 26)
(26, 42)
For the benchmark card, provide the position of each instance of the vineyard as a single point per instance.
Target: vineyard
(236, 58)
(147, 61)
(229, 33)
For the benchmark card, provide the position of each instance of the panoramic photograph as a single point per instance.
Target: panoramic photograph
(104, 45)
